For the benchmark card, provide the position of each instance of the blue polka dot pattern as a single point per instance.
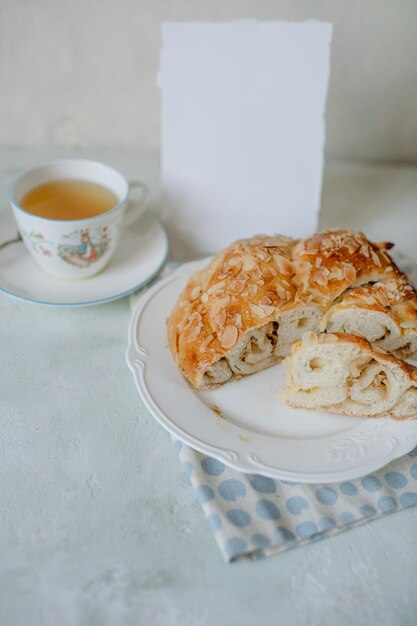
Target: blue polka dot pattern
(231, 489)
(204, 493)
(408, 498)
(259, 540)
(396, 480)
(178, 445)
(235, 546)
(239, 517)
(188, 468)
(262, 484)
(306, 529)
(349, 489)
(215, 522)
(386, 503)
(296, 505)
(326, 522)
(326, 495)
(367, 510)
(267, 510)
(282, 534)
(371, 483)
(213, 467)
(250, 514)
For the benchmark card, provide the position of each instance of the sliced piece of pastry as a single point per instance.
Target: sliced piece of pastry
(343, 373)
(385, 313)
(325, 265)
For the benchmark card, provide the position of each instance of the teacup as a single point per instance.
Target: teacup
(73, 249)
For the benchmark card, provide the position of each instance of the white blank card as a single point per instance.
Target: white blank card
(243, 130)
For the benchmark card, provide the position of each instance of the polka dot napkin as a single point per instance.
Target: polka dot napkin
(252, 516)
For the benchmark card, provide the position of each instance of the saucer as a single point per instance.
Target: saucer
(138, 258)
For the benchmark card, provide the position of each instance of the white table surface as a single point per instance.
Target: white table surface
(98, 523)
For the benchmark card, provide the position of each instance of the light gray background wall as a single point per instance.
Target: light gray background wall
(83, 73)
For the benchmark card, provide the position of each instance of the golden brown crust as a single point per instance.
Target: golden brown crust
(253, 281)
(241, 289)
(395, 295)
(331, 261)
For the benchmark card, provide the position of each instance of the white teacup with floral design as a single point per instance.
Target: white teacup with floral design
(74, 249)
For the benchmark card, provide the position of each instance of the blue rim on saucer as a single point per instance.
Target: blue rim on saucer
(160, 261)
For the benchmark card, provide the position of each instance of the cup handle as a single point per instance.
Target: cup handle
(135, 208)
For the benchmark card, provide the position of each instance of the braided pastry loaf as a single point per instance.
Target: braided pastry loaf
(245, 310)
(343, 373)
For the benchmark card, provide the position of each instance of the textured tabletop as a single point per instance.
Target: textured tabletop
(98, 524)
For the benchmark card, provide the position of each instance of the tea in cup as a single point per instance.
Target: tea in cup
(70, 214)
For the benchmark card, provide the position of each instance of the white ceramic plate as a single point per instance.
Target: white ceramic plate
(243, 423)
(137, 259)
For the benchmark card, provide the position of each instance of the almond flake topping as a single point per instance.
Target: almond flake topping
(386, 256)
(367, 299)
(219, 304)
(299, 292)
(382, 297)
(194, 332)
(204, 297)
(261, 310)
(376, 258)
(265, 300)
(228, 336)
(253, 289)
(220, 319)
(248, 263)
(282, 293)
(337, 273)
(194, 320)
(284, 265)
(215, 287)
(350, 273)
(195, 293)
(320, 278)
(302, 267)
